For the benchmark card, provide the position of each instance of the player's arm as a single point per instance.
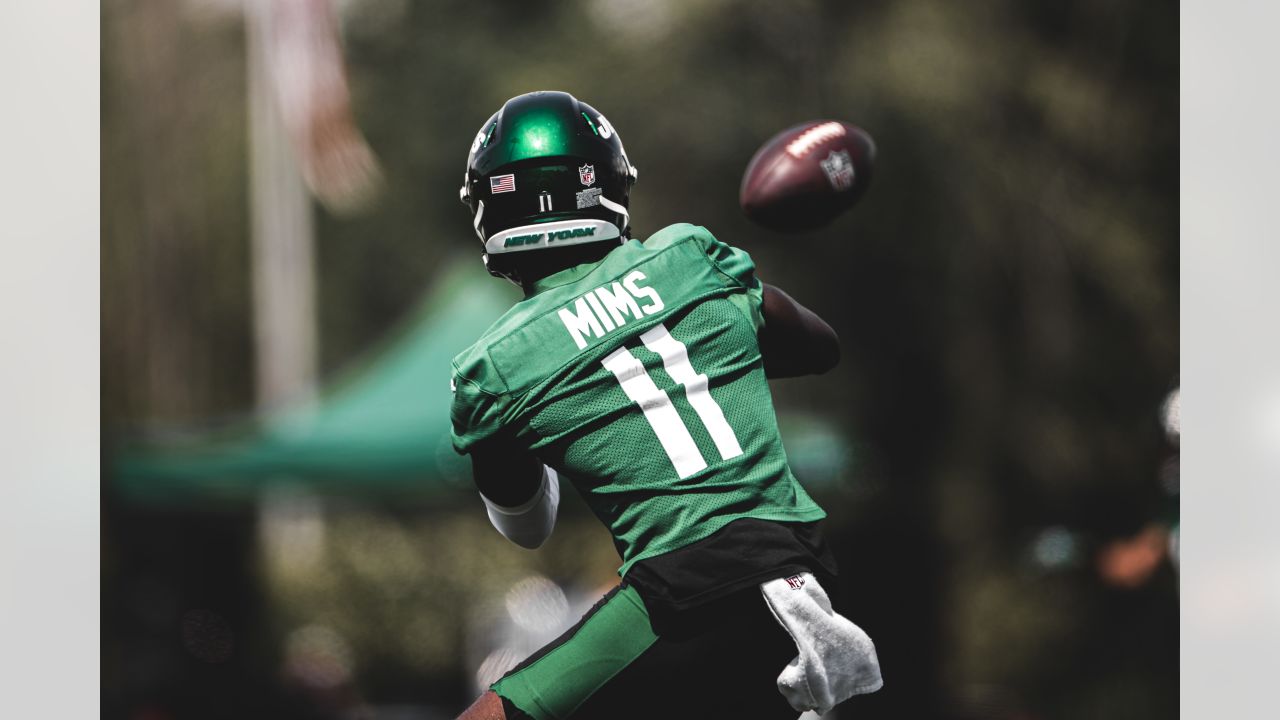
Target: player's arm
(520, 494)
(794, 340)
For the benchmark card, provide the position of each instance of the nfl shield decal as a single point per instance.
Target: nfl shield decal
(587, 174)
(839, 169)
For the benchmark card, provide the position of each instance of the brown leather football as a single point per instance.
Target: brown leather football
(806, 175)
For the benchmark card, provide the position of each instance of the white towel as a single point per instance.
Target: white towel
(837, 659)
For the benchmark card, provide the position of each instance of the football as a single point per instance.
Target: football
(806, 175)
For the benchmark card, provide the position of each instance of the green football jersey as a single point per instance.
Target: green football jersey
(639, 378)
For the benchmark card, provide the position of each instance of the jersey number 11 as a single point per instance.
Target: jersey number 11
(656, 405)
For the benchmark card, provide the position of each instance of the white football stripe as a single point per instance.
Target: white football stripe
(814, 136)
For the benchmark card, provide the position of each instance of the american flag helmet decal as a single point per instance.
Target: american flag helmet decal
(502, 184)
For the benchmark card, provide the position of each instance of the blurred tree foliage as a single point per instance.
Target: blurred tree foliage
(1006, 294)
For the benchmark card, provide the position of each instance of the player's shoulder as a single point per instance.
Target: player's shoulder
(487, 362)
(730, 262)
(473, 356)
(678, 233)
(700, 240)
(473, 370)
(476, 363)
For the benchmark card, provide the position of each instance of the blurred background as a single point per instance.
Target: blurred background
(286, 271)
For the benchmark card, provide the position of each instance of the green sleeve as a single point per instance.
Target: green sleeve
(740, 270)
(479, 401)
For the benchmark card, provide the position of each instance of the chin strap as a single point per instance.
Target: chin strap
(618, 208)
(479, 215)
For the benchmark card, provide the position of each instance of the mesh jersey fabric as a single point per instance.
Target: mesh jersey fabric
(639, 378)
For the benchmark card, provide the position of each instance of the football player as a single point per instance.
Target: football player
(636, 372)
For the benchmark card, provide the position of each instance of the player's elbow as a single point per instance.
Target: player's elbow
(821, 346)
(826, 352)
(794, 340)
(814, 354)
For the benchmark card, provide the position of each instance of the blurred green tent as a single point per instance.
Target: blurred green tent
(381, 428)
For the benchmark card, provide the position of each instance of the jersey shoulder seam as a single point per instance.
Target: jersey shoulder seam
(477, 385)
(716, 266)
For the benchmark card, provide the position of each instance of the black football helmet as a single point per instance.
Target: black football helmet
(546, 171)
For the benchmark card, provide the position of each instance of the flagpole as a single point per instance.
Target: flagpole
(281, 235)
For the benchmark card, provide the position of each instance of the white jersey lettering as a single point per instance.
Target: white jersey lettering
(581, 322)
(630, 281)
(606, 308)
(618, 302)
